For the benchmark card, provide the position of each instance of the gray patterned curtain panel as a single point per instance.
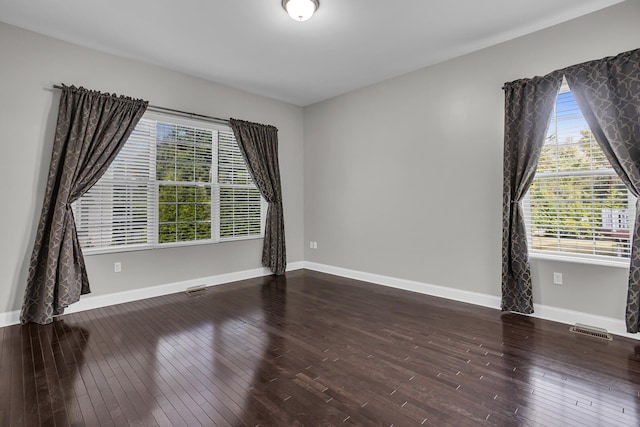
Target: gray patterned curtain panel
(259, 146)
(528, 107)
(608, 94)
(91, 129)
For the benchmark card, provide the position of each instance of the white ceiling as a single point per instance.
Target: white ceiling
(253, 44)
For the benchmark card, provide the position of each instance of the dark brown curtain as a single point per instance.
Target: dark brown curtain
(608, 94)
(259, 146)
(528, 107)
(91, 129)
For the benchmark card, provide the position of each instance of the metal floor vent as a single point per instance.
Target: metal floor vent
(195, 289)
(592, 331)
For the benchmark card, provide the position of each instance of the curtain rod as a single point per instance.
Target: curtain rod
(180, 112)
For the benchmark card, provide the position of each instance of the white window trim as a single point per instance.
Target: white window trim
(591, 259)
(152, 232)
(578, 259)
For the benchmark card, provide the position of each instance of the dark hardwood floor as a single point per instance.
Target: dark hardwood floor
(316, 350)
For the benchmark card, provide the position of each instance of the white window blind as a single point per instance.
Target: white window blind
(240, 200)
(577, 206)
(119, 210)
(174, 182)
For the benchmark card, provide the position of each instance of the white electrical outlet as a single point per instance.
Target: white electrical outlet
(117, 267)
(557, 278)
(313, 245)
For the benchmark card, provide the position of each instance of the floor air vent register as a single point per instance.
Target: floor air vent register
(195, 290)
(591, 331)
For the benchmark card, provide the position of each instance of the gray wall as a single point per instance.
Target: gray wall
(404, 178)
(31, 64)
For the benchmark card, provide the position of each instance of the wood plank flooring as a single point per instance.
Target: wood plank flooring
(316, 350)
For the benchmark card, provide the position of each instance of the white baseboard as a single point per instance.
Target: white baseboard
(409, 285)
(9, 318)
(570, 317)
(90, 302)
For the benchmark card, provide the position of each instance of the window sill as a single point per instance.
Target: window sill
(145, 247)
(622, 263)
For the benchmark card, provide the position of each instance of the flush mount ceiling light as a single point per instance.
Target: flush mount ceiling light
(300, 10)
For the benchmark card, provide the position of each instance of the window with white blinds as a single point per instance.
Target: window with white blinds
(175, 182)
(577, 206)
(239, 197)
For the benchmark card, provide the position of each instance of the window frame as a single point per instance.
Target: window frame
(154, 183)
(574, 257)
